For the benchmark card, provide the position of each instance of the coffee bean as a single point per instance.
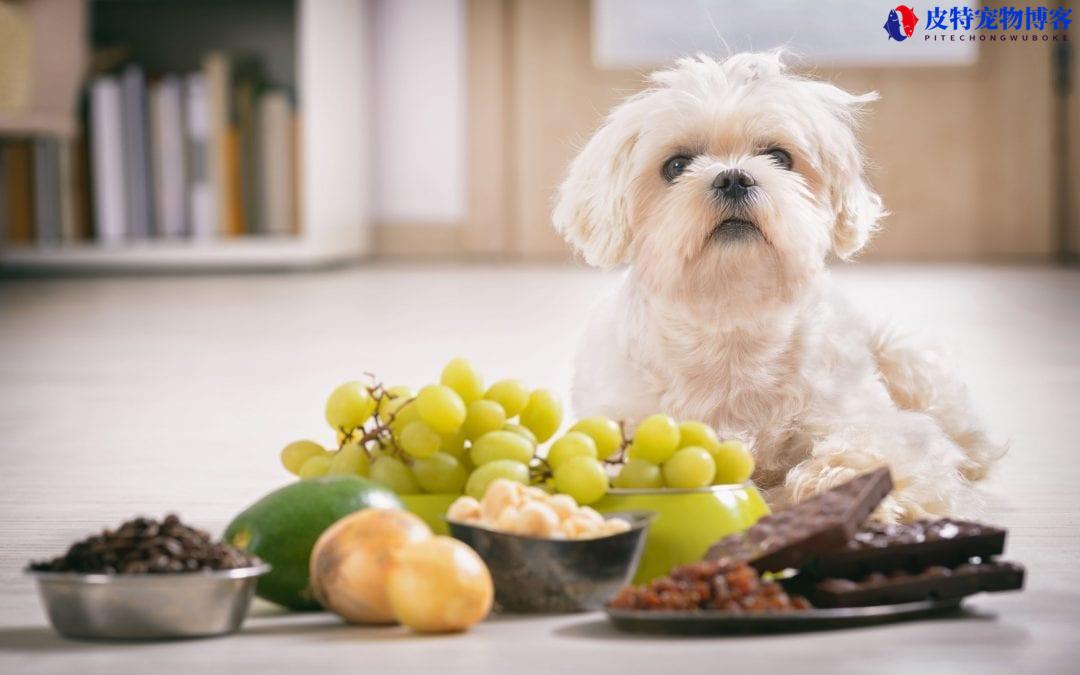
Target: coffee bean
(145, 546)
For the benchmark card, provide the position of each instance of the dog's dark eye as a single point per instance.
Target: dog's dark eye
(675, 166)
(782, 157)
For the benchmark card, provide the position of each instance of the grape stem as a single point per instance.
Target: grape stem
(378, 429)
(540, 470)
(620, 457)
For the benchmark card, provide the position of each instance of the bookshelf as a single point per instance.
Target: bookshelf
(328, 70)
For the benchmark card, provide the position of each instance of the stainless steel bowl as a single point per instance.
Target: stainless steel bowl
(534, 575)
(148, 606)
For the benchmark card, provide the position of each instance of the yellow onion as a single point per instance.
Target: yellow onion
(351, 559)
(439, 585)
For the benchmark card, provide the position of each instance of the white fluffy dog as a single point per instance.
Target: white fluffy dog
(725, 186)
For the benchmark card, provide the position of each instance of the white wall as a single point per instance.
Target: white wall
(335, 133)
(646, 33)
(419, 134)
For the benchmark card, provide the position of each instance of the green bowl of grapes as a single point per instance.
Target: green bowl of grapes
(431, 509)
(687, 522)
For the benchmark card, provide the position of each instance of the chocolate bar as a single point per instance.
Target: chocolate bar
(822, 523)
(937, 582)
(911, 547)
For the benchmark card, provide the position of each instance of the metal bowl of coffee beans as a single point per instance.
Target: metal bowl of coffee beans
(148, 580)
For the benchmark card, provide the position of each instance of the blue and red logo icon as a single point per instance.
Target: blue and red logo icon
(901, 23)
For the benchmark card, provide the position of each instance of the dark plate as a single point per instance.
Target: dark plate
(718, 623)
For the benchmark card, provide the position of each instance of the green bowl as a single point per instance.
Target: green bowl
(431, 508)
(687, 522)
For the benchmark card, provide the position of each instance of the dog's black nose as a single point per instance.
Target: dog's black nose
(733, 183)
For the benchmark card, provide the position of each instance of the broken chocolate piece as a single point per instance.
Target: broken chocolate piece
(877, 547)
(822, 523)
(934, 583)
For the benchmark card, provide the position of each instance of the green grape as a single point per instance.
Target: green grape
(510, 394)
(482, 417)
(542, 414)
(349, 406)
(392, 400)
(583, 478)
(521, 431)
(734, 463)
(637, 474)
(392, 473)
(454, 445)
(296, 453)
(655, 439)
(460, 376)
(420, 440)
(316, 466)
(408, 412)
(440, 474)
(691, 467)
(698, 434)
(441, 407)
(573, 444)
(605, 432)
(484, 475)
(350, 460)
(496, 445)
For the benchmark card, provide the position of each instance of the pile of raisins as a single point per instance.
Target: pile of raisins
(710, 584)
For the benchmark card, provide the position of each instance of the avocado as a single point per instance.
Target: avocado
(282, 527)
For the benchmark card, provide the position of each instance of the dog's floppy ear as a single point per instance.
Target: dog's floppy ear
(858, 213)
(593, 207)
(858, 208)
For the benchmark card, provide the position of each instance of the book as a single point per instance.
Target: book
(246, 125)
(80, 182)
(168, 155)
(139, 192)
(107, 160)
(46, 177)
(201, 204)
(69, 191)
(276, 163)
(3, 194)
(234, 194)
(19, 196)
(224, 173)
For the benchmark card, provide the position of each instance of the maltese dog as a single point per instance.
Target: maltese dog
(724, 187)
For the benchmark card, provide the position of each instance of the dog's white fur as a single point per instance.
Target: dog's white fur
(745, 333)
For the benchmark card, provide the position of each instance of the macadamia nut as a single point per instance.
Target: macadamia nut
(508, 506)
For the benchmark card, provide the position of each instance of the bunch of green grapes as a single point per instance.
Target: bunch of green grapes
(452, 437)
(595, 455)
(458, 437)
(664, 453)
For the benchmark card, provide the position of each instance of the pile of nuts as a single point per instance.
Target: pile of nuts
(512, 507)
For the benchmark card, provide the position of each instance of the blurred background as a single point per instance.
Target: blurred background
(235, 134)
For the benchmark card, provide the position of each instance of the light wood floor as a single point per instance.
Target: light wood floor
(131, 395)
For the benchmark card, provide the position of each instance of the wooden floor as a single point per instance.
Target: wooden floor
(131, 395)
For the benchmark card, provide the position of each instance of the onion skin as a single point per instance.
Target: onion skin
(439, 585)
(351, 560)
